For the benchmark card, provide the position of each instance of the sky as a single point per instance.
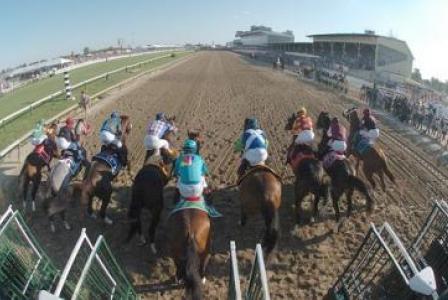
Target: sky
(37, 29)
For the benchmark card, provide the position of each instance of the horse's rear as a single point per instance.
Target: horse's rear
(375, 162)
(261, 192)
(147, 192)
(190, 246)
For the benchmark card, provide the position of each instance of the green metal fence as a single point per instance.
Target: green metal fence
(24, 267)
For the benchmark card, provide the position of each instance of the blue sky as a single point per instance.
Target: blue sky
(35, 29)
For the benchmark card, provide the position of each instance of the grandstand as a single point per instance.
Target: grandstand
(262, 36)
(367, 55)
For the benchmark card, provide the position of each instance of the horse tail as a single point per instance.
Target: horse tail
(134, 213)
(272, 234)
(362, 188)
(192, 264)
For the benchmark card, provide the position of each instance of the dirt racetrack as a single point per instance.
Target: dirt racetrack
(214, 92)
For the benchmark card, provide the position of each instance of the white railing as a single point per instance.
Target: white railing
(234, 292)
(26, 136)
(60, 92)
(258, 281)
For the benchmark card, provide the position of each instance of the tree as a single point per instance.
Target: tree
(416, 75)
(86, 51)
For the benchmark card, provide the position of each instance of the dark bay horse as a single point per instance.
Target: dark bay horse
(374, 160)
(260, 191)
(34, 163)
(341, 173)
(147, 192)
(190, 246)
(98, 180)
(309, 173)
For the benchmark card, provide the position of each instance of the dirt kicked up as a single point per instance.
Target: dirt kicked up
(214, 92)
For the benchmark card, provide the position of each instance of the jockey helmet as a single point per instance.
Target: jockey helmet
(251, 123)
(301, 111)
(160, 116)
(70, 122)
(190, 146)
(115, 115)
(366, 112)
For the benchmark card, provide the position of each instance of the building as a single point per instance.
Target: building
(367, 55)
(262, 36)
(35, 70)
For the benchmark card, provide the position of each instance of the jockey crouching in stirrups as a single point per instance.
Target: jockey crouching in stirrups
(337, 135)
(303, 128)
(38, 139)
(253, 144)
(68, 142)
(368, 129)
(154, 138)
(110, 136)
(190, 170)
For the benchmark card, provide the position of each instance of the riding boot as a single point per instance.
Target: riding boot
(176, 198)
(242, 168)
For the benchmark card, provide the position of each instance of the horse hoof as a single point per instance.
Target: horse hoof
(33, 206)
(153, 248)
(108, 220)
(52, 228)
(204, 280)
(67, 226)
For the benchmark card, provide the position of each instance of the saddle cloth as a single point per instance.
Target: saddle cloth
(295, 157)
(196, 204)
(111, 159)
(330, 158)
(360, 144)
(256, 169)
(42, 154)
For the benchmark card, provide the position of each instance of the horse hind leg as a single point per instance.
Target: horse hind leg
(104, 204)
(272, 222)
(152, 229)
(382, 181)
(36, 184)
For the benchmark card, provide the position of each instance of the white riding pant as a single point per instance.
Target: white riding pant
(305, 137)
(153, 142)
(337, 145)
(192, 190)
(107, 138)
(256, 156)
(371, 135)
(64, 144)
(39, 140)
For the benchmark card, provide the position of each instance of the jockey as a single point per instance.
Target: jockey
(155, 132)
(303, 128)
(110, 132)
(67, 140)
(254, 144)
(368, 128)
(337, 136)
(38, 135)
(190, 169)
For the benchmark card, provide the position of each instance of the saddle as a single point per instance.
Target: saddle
(161, 167)
(199, 204)
(110, 158)
(330, 158)
(257, 168)
(298, 153)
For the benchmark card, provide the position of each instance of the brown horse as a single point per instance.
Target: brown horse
(260, 191)
(341, 172)
(147, 192)
(309, 173)
(98, 180)
(374, 160)
(34, 163)
(190, 246)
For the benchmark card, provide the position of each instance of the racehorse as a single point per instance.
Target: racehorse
(32, 168)
(309, 173)
(62, 173)
(190, 246)
(98, 180)
(340, 171)
(374, 160)
(147, 192)
(260, 190)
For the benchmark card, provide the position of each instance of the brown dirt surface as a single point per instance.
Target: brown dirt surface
(214, 92)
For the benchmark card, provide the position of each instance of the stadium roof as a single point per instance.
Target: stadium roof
(323, 35)
(260, 32)
(41, 65)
